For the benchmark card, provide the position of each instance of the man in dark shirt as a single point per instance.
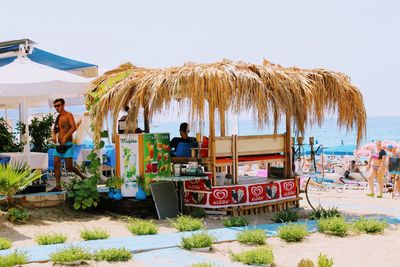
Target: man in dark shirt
(184, 132)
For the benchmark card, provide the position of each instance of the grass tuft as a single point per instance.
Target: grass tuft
(203, 264)
(94, 234)
(5, 243)
(323, 261)
(256, 236)
(284, 216)
(236, 222)
(293, 232)
(201, 240)
(13, 259)
(257, 256)
(305, 263)
(370, 226)
(187, 223)
(321, 213)
(69, 255)
(334, 226)
(50, 239)
(113, 255)
(142, 227)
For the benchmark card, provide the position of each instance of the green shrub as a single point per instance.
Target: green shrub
(333, 226)
(142, 227)
(198, 213)
(113, 255)
(18, 214)
(321, 213)
(236, 222)
(323, 261)
(5, 243)
(13, 259)
(289, 215)
(370, 226)
(94, 234)
(187, 223)
(204, 264)
(256, 236)
(306, 263)
(71, 254)
(293, 232)
(50, 239)
(257, 256)
(201, 240)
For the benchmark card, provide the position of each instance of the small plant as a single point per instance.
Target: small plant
(293, 232)
(236, 222)
(321, 213)
(50, 239)
(95, 234)
(257, 256)
(13, 259)
(203, 264)
(369, 226)
(284, 216)
(142, 227)
(187, 223)
(5, 243)
(113, 255)
(202, 240)
(256, 236)
(18, 214)
(70, 255)
(114, 182)
(323, 261)
(306, 263)
(333, 226)
(198, 213)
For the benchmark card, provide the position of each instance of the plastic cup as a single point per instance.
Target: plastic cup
(154, 167)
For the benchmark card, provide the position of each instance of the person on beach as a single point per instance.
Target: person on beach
(394, 167)
(63, 129)
(377, 164)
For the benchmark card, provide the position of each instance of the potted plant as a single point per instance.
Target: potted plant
(140, 194)
(114, 184)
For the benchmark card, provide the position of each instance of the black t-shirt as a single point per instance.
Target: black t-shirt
(176, 140)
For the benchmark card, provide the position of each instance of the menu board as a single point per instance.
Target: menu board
(156, 155)
(129, 163)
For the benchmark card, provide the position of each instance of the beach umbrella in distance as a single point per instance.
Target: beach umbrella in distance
(341, 150)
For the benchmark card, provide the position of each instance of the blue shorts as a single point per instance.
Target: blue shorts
(68, 154)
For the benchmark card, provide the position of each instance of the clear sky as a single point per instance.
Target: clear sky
(360, 38)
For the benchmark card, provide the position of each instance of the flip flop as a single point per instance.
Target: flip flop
(379, 196)
(370, 195)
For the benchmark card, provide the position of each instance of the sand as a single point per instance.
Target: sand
(360, 250)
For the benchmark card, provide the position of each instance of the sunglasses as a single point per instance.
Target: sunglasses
(58, 105)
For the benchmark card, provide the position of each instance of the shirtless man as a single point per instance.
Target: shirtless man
(62, 136)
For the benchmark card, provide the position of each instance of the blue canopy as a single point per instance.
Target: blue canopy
(340, 150)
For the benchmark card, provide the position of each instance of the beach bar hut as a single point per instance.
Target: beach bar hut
(269, 92)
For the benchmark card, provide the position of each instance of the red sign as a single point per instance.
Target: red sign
(198, 185)
(288, 188)
(195, 198)
(228, 195)
(257, 193)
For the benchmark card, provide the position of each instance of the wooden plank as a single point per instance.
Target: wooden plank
(288, 148)
(222, 122)
(211, 149)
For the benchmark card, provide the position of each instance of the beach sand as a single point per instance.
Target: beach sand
(358, 250)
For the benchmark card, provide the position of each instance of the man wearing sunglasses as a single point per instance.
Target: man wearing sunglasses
(64, 127)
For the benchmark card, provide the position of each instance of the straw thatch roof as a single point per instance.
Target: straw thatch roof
(266, 90)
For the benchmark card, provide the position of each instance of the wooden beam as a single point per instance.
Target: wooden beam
(146, 120)
(211, 144)
(222, 122)
(288, 147)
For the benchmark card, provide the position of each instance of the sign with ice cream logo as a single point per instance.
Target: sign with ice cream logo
(195, 198)
(288, 188)
(228, 195)
(272, 190)
(198, 185)
(257, 193)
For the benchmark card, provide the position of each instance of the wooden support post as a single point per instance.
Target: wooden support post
(222, 122)
(288, 148)
(211, 145)
(146, 120)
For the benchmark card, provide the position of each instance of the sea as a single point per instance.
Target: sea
(328, 134)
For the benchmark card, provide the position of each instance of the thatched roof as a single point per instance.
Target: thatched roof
(267, 91)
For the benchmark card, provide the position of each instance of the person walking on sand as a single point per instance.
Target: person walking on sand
(377, 164)
(394, 168)
(63, 129)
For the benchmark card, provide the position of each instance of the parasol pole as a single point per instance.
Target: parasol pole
(211, 149)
